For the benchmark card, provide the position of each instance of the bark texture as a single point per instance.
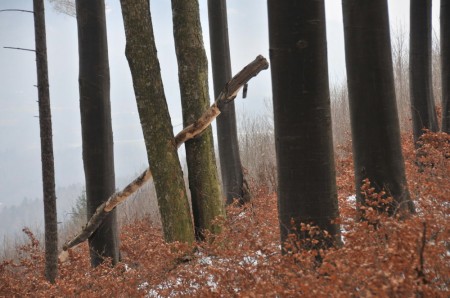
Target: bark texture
(304, 146)
(155, 120)
(377, 150)
(230, 161)
(96, 127)
(423, 110)
(204, 184)
(445, 64)
(45, 124)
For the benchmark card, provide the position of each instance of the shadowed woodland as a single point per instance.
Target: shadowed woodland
(340, 190)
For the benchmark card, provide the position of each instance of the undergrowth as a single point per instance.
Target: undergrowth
(392, 258)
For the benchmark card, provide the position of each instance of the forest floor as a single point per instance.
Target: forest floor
(391, 258)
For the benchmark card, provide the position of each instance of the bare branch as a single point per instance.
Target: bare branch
(22, 49)
(19, 10)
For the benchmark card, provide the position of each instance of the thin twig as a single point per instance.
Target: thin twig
(19, 10)
(420, 270)
(22, 49)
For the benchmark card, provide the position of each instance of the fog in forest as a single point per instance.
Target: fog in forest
(20, 164)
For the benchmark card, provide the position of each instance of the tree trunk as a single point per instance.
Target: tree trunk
(95, 107)
(155, 120)
(377, 150)
(206, 196)
(230, 161)
(45, 123)
(423, 110)
(301, 99)
(445, 66)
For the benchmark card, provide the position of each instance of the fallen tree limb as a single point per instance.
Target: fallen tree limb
(227, 95)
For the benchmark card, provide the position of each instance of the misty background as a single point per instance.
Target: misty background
(20, 165)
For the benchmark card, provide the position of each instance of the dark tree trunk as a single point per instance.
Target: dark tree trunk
(301, 99)
(45, 123)
(95, 107)
(445, 64)
(206, 196)
(423, 110)
(230, 161)
(155, 120)
(377, 150)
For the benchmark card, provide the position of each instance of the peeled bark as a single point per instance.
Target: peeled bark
(227, 96)
(45, 123)
(377, 150)
(230, 161)
(304, 146)
(96, 127)
(423, 110)
(445, 64)
(155, 120)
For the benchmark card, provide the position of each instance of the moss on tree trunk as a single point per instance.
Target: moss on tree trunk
(155, 120)
(206, 196)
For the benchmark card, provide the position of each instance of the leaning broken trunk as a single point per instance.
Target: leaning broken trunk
(227, 95)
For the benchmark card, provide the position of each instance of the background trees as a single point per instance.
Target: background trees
(376, 139)
(304, 147)
(98, 153)
(423, 110)
(230, 162)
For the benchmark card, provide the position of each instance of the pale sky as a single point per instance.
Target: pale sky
(20, 168)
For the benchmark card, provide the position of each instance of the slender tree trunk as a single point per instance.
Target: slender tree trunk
(230, 161)
(155, 120)
(204, 183)
(445, 64)
(304, 145)
(377, 150)
(95, 107)
(45, 123)
(423, 110)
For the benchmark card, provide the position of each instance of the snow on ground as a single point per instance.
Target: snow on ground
(247, 260)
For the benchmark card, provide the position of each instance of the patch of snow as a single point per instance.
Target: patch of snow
(143, 286)
(242, 214)
(205, 261)
(248, 260)
(351, 199)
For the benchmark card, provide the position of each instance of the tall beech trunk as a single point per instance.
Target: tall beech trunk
(155, 120)
(445, 64)
(230, 161)
(377, 150)
(45, 123)
(423, 110)
(301, 100)
(95, 107)
(204, 182)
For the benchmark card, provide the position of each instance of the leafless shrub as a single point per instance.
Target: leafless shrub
(64, 6)
(257, 149)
